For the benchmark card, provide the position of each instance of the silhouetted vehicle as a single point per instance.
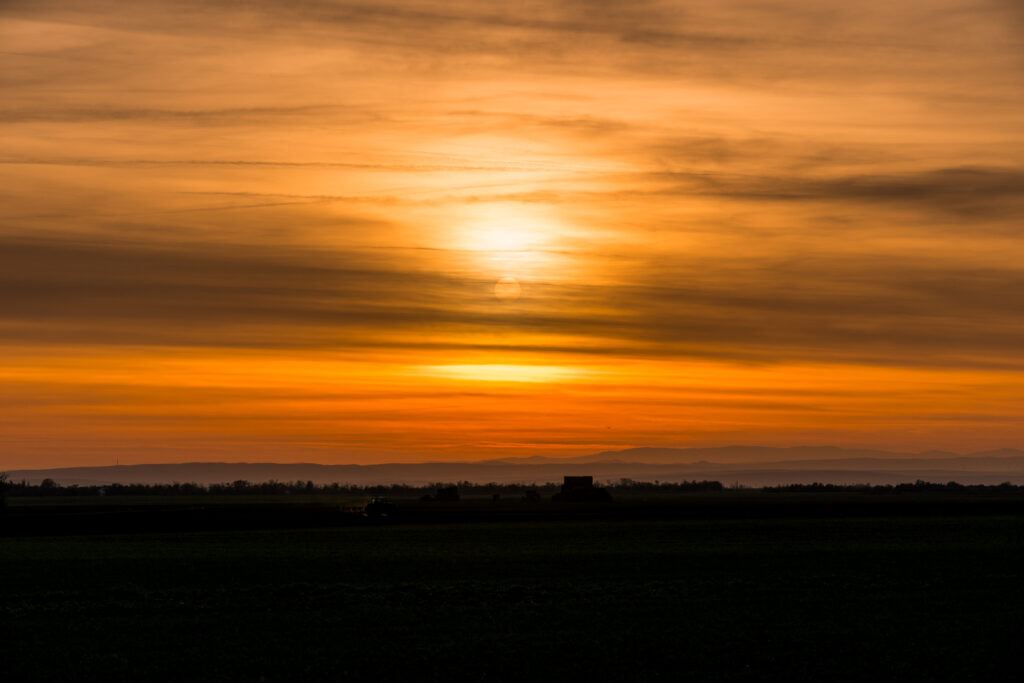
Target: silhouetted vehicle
(380, 506)
(581, 490)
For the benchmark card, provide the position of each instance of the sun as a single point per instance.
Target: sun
(504, 237)
(504, 230)
(506, 244)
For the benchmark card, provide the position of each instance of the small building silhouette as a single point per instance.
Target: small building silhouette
(581, 490)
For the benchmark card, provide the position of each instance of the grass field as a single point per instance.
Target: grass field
(863, 598)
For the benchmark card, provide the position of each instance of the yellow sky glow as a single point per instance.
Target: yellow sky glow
(358, 232)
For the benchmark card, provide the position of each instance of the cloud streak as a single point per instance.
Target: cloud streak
(254, 202)
(858, 309)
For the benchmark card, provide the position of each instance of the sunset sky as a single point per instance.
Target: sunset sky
(359, 232)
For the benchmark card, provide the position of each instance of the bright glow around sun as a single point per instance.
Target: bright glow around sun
(506, 237)
(505, 229)
(500, 372)
(508, 240)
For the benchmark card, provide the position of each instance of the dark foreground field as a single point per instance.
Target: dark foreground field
(713, 597)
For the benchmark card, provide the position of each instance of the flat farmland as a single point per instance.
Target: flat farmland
(926, 597)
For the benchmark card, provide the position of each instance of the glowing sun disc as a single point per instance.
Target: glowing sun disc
(507, 289)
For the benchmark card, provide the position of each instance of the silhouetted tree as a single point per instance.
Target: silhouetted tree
(448, 494)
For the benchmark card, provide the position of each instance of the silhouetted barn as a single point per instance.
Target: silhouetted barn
(581, 490)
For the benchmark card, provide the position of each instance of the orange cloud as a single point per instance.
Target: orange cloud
(273, 231)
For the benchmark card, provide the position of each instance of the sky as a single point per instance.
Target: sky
(361, 232)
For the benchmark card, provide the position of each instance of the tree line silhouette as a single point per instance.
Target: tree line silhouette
(49, 487)
(918, 486)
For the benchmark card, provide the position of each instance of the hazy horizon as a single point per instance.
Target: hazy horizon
(270, 230)
(729, 454)
(744, 465)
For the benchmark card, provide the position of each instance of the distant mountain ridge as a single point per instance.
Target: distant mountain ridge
(747, 465)
(765, 454)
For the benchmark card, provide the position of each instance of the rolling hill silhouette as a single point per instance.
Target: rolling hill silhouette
(745, 465)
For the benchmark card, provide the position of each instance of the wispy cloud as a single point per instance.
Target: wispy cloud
(693, 196)
(852, 309)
